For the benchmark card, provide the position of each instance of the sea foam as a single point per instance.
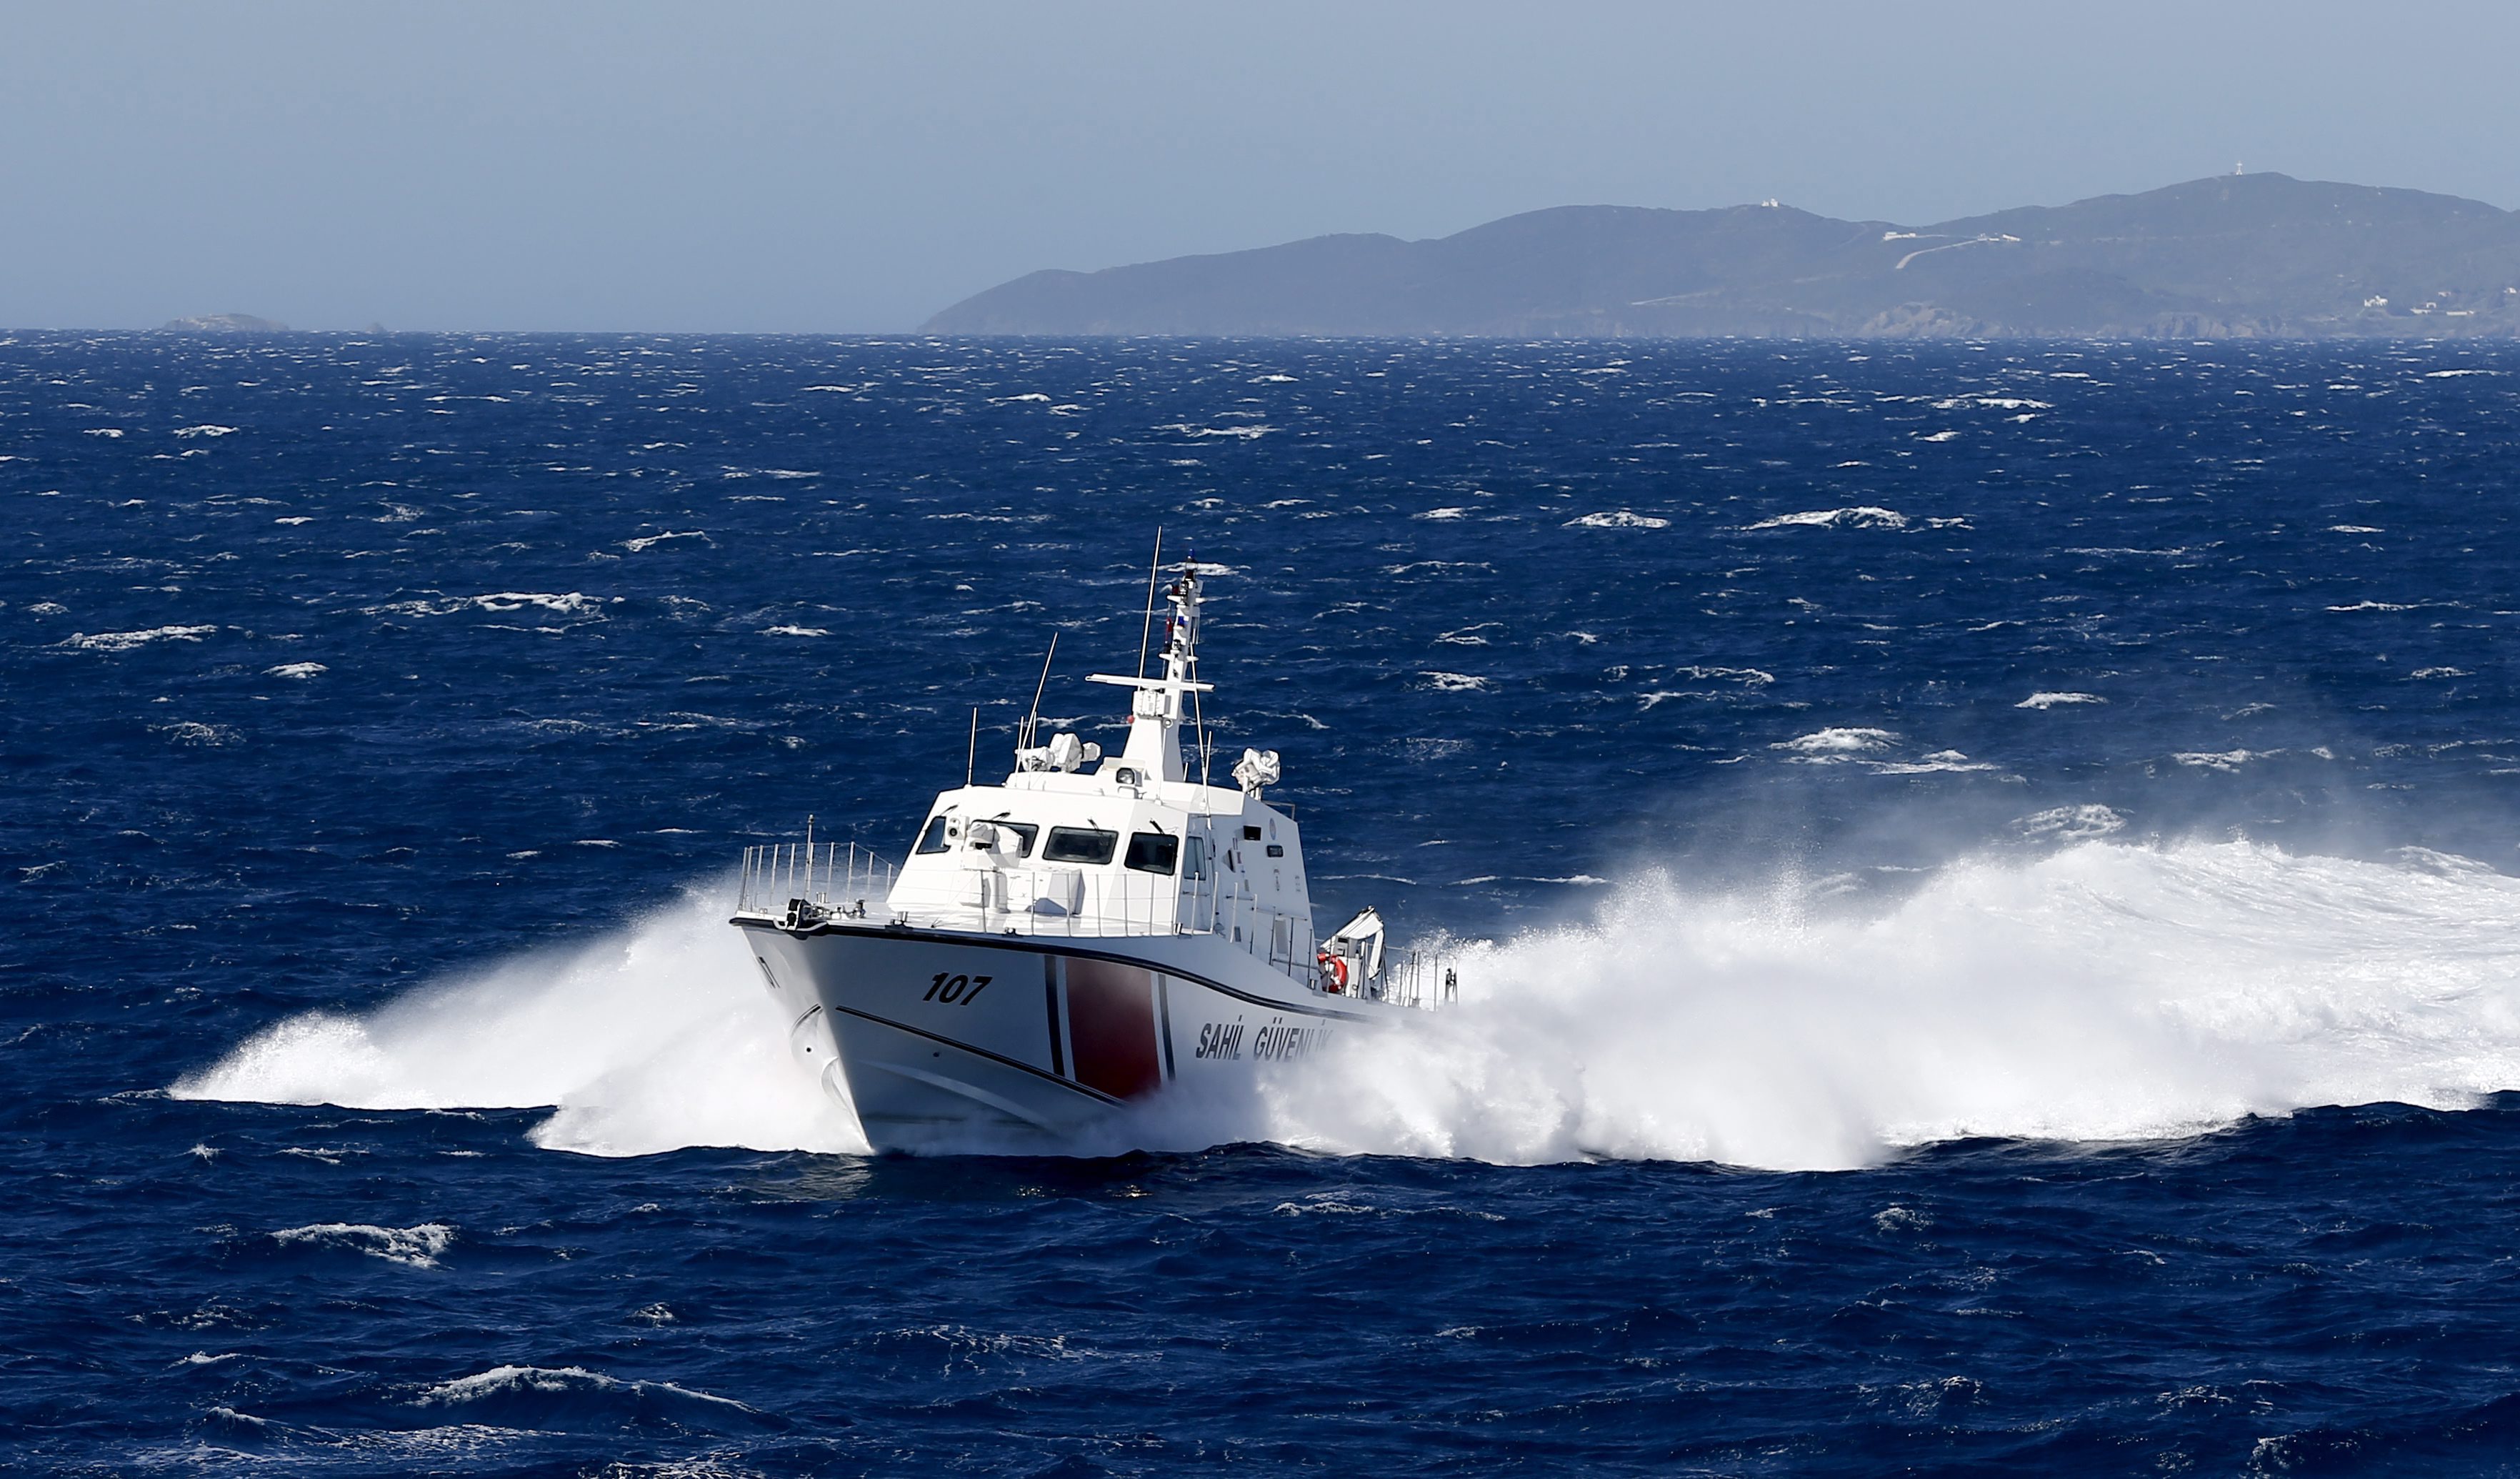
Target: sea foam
(656, 1034)
(2103, 991)
(2106, 991)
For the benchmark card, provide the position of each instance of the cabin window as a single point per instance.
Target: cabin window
(934, 838)
(1250, 833)
(1154, 851)
(1086, 845)
(1195, 863)
(1024, 833)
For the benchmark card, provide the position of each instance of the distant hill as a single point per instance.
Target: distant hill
(2235, 255)
(224, 323)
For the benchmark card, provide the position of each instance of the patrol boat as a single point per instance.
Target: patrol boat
(1075, 937)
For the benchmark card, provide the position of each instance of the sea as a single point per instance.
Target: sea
(1984, 878)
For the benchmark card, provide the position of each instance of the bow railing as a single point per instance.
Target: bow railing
(798, 882)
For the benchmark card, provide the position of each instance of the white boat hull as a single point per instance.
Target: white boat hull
(944, 1039)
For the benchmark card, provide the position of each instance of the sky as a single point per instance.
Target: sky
(824, 167)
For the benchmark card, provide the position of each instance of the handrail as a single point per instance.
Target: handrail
(803, 884)
(790, 880)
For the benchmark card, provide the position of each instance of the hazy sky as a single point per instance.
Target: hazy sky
(828, 168)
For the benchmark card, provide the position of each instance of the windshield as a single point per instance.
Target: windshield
(1086, 845)
(1154, 851)
(934, 838)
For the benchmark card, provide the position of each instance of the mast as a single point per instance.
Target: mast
(1156, 711)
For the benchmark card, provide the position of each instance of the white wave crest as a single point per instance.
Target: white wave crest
(1863, 516)
(419, 1247)
(1621, 519)
(574, 604)
(124, 642)
(501, 1382)
(1827, 745)
(1941, 761)
(2054, 700)
(2227, 760)
(657, 1036)
(650, 542)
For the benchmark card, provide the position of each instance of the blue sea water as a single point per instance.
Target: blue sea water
(1986, 877)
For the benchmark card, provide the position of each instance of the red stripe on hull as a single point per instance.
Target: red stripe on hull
(1111, 1027)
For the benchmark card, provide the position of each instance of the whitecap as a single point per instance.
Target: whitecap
(1836, 744)
(1940, 761)
(123, 641)
(1747, 677)
(574, 603)
(2224, 759)
(512, 1380)
(650, 541)
(418, 1247)
(1455, 682)
(2053, 700)
(296, 669)
(795, 631)
(1242, 433)
(1863, 516)
(194, 732)
(1621, 519)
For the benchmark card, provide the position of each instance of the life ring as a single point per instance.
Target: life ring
(1333, 973)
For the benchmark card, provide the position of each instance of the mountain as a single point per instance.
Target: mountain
(2234, 256)
(223, 323)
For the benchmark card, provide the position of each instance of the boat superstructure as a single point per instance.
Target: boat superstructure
(1077, 935)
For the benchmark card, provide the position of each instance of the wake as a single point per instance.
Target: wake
(2106, 991)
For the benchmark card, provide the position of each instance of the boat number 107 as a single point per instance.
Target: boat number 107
(952, 989)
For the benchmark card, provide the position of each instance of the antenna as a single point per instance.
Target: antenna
(1206, 750)
(1032, 720)
(972, 759)
(1147, 632)
(1199, 709)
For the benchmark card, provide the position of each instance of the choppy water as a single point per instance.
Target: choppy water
(1991, 873)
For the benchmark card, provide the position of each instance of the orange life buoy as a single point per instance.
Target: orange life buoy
(1333, 973)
